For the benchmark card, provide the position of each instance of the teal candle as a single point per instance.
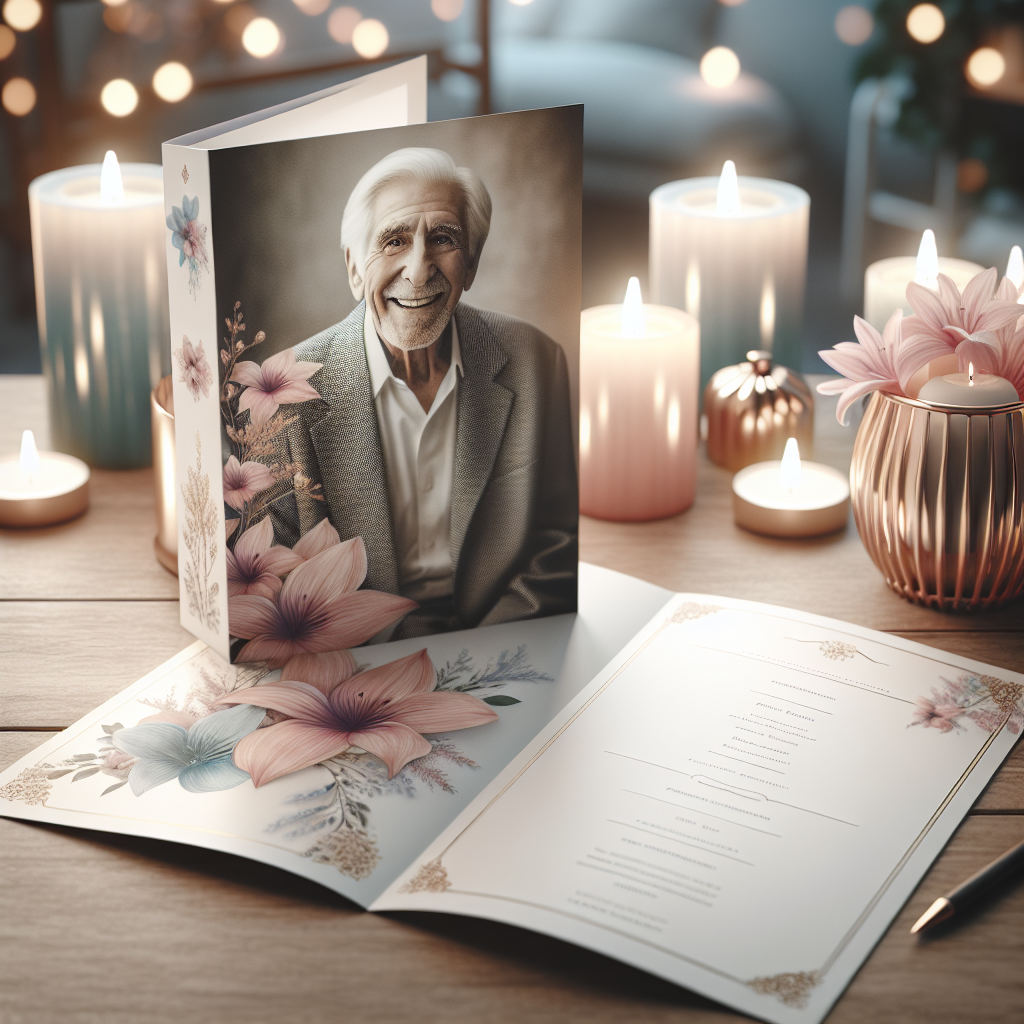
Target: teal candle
(101, 301)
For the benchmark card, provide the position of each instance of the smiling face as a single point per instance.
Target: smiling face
(417, 262)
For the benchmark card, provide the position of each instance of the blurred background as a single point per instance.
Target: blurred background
(894, 116)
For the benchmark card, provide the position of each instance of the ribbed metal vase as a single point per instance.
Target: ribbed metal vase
(938, 498)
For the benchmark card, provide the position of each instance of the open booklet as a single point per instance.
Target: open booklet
(733, 796)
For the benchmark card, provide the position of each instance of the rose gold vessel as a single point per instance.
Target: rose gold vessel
(937, 495)
(165, 543)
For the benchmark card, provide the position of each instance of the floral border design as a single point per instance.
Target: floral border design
(199, 530)
(188, 236)
(837, 650)
(988, 701)
(431, 877)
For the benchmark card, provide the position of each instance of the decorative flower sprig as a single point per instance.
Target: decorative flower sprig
(983, 326)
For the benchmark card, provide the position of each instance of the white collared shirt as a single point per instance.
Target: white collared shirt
(419, 462)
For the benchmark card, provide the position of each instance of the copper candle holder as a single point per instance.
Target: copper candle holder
(938, 498)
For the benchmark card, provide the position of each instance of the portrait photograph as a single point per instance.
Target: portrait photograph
(399, 379)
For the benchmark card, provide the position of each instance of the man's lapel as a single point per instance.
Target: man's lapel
(350, 454)
(484, 407)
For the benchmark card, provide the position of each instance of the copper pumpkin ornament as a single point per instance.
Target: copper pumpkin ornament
(753, 409)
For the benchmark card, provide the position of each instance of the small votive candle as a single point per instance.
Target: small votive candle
(41, 488)
(639, 367)
(969, 390)
(790, 498)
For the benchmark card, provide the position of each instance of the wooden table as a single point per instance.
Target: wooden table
(116, 929)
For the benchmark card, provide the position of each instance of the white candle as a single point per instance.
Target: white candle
(732, 252)
(885, 282)
(790, 498)
(969, 390)
(639, 366)
(101, 299)
(40, 488)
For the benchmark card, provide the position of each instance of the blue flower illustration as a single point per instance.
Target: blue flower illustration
(199, 757)
(188, 236)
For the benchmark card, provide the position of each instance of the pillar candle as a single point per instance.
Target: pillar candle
(732, 252)
(885, 282)
(101, 300)
(639, 367)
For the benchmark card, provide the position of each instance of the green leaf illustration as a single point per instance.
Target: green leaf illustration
(85, 773)
(501, 700)
(116, 785)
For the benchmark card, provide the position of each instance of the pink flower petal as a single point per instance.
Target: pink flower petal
(357, 617)
(266, 584)
(395, 744)
(297, 700)
(928, 309)
(391, 682)
(441, 711)
(916, 351)
(982, 354)
(855, 391)
(280, 560)
(273, 650)
(320, 538)
(287, 747)
(976, 296)
(294, 391)
(251, 616)
(324, 671)
(255, 540)
(247, 373)
(261, 406)
(336, 571)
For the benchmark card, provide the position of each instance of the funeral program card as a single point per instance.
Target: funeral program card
(740, 803)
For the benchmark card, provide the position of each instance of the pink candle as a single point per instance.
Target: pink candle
(639, 368)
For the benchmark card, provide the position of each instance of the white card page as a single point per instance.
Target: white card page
(741, 802)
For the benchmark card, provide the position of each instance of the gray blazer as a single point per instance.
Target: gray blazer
(515, 505)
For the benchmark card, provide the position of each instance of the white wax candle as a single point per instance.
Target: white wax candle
(101, 298)
(790, 498)
(736, 262)
(638, 410)
(40, 488)
(969, 390)
(885, 282)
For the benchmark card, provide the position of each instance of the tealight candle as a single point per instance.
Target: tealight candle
(790, 498)
(101, 301)
(639, 366)
(885, 282)
(732, 252)
(969, 390)
(40, 488)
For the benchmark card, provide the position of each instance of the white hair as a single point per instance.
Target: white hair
(431, 166)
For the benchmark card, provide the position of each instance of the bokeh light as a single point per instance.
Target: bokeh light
(446, 10)
(342, 23)
(731, 3)
(926, 23)
(7, 42)
(971, 175)
(115, 3)
(720, 67)
(18, 96)
(23, 15)
(854, 25)
(985, 67)
(172, 81)
(312, 7)
(119, 97)
(261, 37)
(521, 3)
(370, 38)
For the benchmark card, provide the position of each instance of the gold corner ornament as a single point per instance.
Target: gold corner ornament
(184, 173)
(791, 989)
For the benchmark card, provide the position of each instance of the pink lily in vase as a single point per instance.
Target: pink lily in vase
(279, 380)
(384, 711)
(319, 608)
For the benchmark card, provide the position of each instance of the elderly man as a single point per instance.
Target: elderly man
(443, 438)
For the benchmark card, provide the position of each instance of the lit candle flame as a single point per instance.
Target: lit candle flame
(970, 375)
(28, 463)
(927, 261)
(633, 310)
(789, 470)
(111, 186)
(1015, 269)
(728, 190)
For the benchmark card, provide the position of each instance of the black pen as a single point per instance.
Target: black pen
(965, 894)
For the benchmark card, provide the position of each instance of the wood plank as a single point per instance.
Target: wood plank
(61, 659)
(175, 916)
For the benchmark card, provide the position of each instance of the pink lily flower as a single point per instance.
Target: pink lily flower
(195, 370)
(880, 362)
(317, 540)
(244, 480)
(384, 711)
(257, 565)
(278, 381)
(942, 317)
(319, 608)
(936, 716)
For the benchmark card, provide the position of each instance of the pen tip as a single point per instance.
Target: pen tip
(940, 910)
